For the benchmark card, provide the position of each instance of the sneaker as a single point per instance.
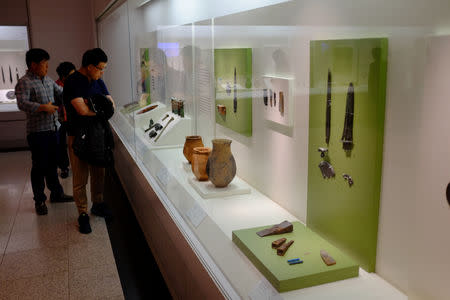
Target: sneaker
(101, 210)
(62, 198)
(41, 208)
(83, 222)
(64, 173)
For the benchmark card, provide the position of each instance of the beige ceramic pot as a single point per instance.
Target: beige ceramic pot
(191, 142)
(200, 157)
(221, 166)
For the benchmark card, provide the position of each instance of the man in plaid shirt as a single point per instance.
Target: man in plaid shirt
(36, 94)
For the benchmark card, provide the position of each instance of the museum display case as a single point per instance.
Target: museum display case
(13, 46)
(286, 140)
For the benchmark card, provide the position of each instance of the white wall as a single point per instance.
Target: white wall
(64, 28)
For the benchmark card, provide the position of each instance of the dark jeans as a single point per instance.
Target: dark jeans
(62, 156)
(43, 147)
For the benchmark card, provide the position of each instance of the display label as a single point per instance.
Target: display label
(264, 291)
(163, 176)
(196, 215)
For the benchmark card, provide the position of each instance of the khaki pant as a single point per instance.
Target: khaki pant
(81, 171)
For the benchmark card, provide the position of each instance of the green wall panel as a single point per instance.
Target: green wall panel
(225, 62)
(347, 216)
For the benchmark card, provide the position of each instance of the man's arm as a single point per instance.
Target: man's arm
(81, 107)
(57, 93)
(24, 103)
(112, 101)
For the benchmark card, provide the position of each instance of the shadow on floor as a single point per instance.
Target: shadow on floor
(139, 274)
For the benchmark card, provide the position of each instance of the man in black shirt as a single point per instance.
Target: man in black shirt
(81, 85)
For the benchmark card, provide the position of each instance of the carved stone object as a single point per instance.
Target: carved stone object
(199, 160)
(221, 166)
(191, 142)
(283, 227)
(278, 243)
(327, 259)
(281, 251)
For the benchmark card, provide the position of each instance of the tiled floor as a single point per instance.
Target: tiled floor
(45, 257)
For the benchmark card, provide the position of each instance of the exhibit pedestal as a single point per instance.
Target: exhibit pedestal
(207, 190)
(307, 246)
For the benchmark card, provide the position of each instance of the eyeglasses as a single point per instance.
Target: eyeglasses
(100, 69)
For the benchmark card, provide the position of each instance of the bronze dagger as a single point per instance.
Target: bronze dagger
(10, 74)
(3, 75)
(235, 93)
(17, 74)
(328, 110)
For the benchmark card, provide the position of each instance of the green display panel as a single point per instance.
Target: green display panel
(307, 245)
(345, 215)
(233, 82)
(145, 74)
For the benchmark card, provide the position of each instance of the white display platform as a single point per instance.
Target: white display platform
(173, 136)
(142, 120)
(207, 190)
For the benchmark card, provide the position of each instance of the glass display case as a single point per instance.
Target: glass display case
(319, 115)
(13, 46)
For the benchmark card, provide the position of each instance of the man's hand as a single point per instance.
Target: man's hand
(48, 108)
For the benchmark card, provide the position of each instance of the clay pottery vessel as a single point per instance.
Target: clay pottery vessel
(221, 166)
(200, 157)
(192, 141)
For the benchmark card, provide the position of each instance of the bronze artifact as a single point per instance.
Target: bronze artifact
(278, 243)
(152, 134)
(347, 134)
(328, 110)
(165, 117)
(327, 169)
(165, 126)
(265, 96)
(147, 109)
(150, 125)
(271, 97)
(199, 160)
(327, 259)
(283, 227)
(281, 251)
(274, 99)
(221, 166)
(191, 142)
(348, 178)
(235, 93)
(281, 103)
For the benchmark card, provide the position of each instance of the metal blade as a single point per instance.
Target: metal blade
(328, 109)
(347, 134)
(3, 75)
(10, 74)
(235, 93)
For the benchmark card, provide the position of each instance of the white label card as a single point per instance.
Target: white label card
(163, 176)
(196, 215)
(264, 291)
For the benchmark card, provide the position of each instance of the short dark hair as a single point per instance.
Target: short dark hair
(64, 69)
(94, 57)
(36, 55)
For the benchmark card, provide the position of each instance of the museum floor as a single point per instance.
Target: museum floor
(46, 257)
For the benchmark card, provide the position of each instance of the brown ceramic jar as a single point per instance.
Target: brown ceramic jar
(221, 166)
(192, 141)
(200, 157)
